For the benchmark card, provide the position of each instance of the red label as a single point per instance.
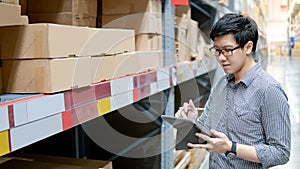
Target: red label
(180, 2)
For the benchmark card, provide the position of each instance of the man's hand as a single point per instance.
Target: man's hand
(217, 144)
(188, 110)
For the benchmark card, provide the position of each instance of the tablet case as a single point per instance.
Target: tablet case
(186, 130)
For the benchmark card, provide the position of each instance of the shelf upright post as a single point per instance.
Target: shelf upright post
(167, 154)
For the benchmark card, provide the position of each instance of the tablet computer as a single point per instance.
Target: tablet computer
(186, 129)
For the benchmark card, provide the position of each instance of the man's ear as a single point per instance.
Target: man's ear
(248, 47)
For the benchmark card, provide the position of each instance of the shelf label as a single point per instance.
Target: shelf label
(4, 143)
(104, 106)
(180, 2)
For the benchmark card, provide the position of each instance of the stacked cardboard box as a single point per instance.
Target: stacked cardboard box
(189, 159)
(186, 36)
(10, 13)
(34, 161)
(197, 157)
(67, 12)
(182, 159)
(183, 11)
(15, 2)
(109, 67)
(143, 16)
(48, 58)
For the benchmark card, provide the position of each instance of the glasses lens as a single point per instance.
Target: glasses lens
(213, 51)
(227, 52)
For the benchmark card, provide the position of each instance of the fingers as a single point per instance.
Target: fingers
(201, 146)
(181, 113)
(186, 107)
(218, 134)
(204, 137)
(191, 105)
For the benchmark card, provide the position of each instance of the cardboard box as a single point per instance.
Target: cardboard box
(110, 67)
(15, 2)
(186, 39)
(10, 14)
(56, 41)
(33, 161)
(182, 50)
(64, 18)
(46, 75)
(86, 163)
(21, 163)
(197, 156)
(108, 41)
(183, 11)
(148, 41)
(140, 22)
(193, 37)
(86, 7)
(113, 7)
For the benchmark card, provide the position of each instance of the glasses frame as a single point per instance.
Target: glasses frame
(225, 52)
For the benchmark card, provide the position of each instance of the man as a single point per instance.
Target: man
(247, 111)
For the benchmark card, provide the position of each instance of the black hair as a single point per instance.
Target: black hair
(244, 29)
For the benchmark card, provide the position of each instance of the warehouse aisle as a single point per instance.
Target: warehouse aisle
(287, 71)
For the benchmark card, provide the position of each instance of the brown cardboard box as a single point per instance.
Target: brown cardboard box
(10, 14)
(109, 41)
(87, 7)
(183, 11)
(19, 163)
(45, 75)
(148, 41)
(182, 49)
(193, 37)
(109, 67)
(64, 18)
(15, 2)
(197, 156)
(55, 41)
(51, 162)
(113, 7)
(140, 22)
(86, 163)
(187, 39)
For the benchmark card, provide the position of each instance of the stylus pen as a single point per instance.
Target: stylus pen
(199, 108)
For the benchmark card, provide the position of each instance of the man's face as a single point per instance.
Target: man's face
(229, 54)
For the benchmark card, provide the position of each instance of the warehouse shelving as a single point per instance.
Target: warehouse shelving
(61, 111)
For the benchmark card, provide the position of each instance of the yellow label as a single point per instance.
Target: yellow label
(4, 143)
(104, 106)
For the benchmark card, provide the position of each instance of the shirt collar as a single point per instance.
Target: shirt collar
(249, 76)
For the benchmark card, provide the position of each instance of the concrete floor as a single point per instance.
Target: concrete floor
(287, 71)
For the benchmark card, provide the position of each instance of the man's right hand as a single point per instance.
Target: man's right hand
(188, 110)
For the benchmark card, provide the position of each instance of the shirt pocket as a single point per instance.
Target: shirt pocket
(247, 115)
(247, 121)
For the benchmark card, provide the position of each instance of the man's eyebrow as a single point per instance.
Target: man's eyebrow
(223, 47)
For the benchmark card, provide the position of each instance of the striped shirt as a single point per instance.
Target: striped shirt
(254, 112)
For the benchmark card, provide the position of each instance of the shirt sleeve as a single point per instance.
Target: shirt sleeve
(277, 128)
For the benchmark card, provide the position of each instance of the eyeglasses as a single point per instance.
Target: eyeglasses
(225, 52)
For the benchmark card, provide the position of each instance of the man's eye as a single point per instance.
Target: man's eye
(226, 50)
